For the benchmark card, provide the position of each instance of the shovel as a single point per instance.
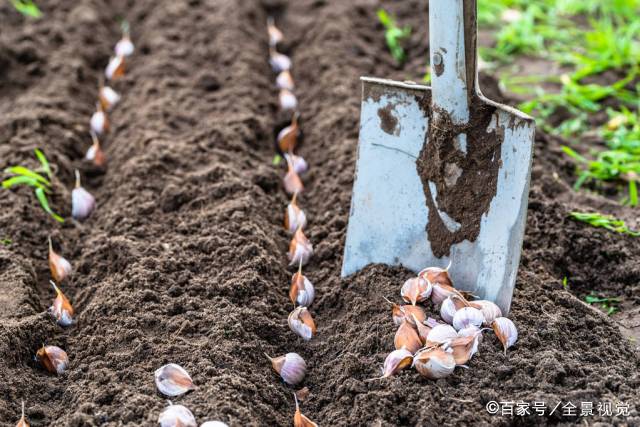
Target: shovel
(442, 174)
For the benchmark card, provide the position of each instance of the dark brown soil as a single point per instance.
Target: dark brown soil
(184, 259)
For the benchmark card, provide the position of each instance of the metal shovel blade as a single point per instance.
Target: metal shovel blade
(460, 198)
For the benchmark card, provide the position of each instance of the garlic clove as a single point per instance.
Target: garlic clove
(59, 266)
(292, 182)
(412, 312)
(288, 137)
(396, 361)
(441, 333)
(489, 310)
(214, 424)
(301, 322)
(448, 310)
(108, 98)
(299, 420)
(434, 363)
(95, 153)
(275, 35)
(284, 80)
(61, 309)
(54, 359)
(99, 121)
(437, 275)
(441, 292)
(291, 367)
(279, 62)
(82, 202)
(298, 163)
(23, 420)
(115, 68)
(287, 100)
(415, 290)
(124, 47)
(300, 249)
(471, 331)
(506, 331)
(302, 291)
(172, 380)
(467, 316)
(176, 416)
(294, 217)
(423, 330)
(406, 337)
(464, 347)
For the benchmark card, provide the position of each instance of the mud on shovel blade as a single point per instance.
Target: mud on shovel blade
(442, 172)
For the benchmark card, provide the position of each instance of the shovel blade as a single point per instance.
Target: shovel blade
(389, 213)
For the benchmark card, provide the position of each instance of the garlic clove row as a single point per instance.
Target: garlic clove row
(301, 322)
(506, 331)
(291, 367)
(173, 380)
(53, 359)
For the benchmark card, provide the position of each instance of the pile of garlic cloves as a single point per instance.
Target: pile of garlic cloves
(433, 348)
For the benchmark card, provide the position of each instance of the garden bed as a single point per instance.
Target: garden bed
(183, 260)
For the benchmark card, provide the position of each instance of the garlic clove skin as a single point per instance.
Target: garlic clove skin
(287, 100)
(406, 337)
(59, 266)
(415, 290)
(108, 98)
(437, 275)
(300, 249)
(302, 291)
(284, 80)
(448, 310)
(298, 163)
(173, 380)
(115, 68)
(291, 367)
(124, 47)
(441, 333)
(506, 331)
(434, 363)
(176, 416)
(61, 309)
(214, 424)
(467, 316)
(294, 217)
(279, 62)
(489, 310)
(301, 322)
(396, 361)
(54, 359)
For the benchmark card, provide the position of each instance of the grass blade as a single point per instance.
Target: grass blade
(42, 198)
(21, 170)
(46, 168)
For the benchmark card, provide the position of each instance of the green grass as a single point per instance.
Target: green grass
(27, 8)
(608, 304)
(604, 221)
(394, 35)
(5, 242)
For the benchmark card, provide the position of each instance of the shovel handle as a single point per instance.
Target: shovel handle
(452, 46)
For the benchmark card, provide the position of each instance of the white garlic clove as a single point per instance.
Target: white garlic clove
(82, 202)
(437, 275)
(54, 359)
(441, 292)
(467, 316)
(284, 80)
(415, 290)
(214, 424)
(301, 322)
(99, 122)
(124, 47)
(59, 266)
(275, 35)
(294, 216)
(300, 249)
(434, 363)
(95, 153)
(176, 416)
(448, 310)
(490, 310)
(108, 98)
(396, 361)
(291, 367)
(298, 163)
(115, 68)
(302, 291)
(287, 100)
(292, 183)
(506, 331)
(406, 337)
(279, 62)
(441, 333)
(172, 380)
(471, 331)
(463, 348)
(61, 309)
(423, 330)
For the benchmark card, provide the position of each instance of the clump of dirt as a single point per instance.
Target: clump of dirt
(184, 260)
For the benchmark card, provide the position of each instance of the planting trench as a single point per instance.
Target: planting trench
(183, 261)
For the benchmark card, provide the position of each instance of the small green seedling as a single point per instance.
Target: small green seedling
(565, 282)
(610, 305)
(27, 8)
(604, 221)
(6, 242)
(394, 35)
(34, 179)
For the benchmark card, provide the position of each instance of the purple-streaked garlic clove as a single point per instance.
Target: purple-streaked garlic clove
(506, 331)
(301, 322)
(434, 363)
(291, 367)
(173, 380)
(467, 316)
(82, 202)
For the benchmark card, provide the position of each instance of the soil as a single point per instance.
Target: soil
(184, 260)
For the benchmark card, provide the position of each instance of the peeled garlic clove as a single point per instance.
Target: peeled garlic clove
(396, 361)
(287, 99)
(437, 275)
(415, 290)
(294, 216)
(108, 98)
(298, 163)
(99, 121)
(214, 424)
(448, 310)
(301, 322)
(176, 416)
(124, 47)
(302, 291)
(23, 421)
(82, 202)
(275, 35)
(60, 267)
(291, 367)
(54, 359)
(441, 333)
(489, 310)
(95, 153)
(506, 331)
(464, 348)
(434, 363)
(299, 420)
(300, 249)
(288, 137)
(407, 337)
(284, 80)
(279, 62)
(467, 316)
(61, 308)
(115, 68)
(172, 380)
